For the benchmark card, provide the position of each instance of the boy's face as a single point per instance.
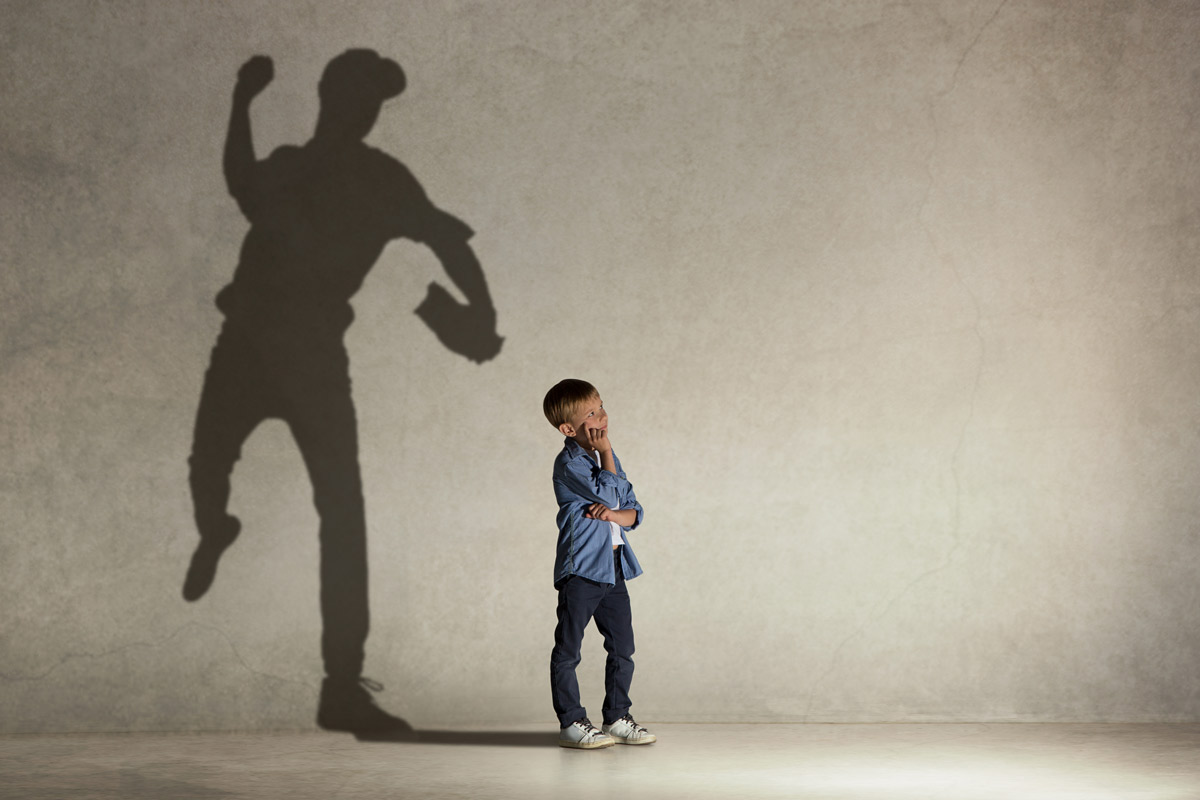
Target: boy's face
(589, 414)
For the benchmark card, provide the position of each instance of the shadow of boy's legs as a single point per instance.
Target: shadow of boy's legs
(233, 402)
(320, 413)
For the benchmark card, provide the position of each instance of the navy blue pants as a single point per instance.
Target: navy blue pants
(581, 600)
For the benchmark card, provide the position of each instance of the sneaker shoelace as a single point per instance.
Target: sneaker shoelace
(367, 683)
(636, 728)
(587, 727)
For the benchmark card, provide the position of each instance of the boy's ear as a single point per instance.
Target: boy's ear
(566, 429)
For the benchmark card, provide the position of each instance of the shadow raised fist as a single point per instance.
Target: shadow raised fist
(254, 76)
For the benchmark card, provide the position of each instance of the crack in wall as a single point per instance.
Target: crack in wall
(878, 613)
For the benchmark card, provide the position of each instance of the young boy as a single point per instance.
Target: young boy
(596, 506)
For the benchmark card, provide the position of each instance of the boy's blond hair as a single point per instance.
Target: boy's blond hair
(564, 397)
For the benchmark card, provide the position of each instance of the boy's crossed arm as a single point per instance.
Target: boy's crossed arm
(626, 517)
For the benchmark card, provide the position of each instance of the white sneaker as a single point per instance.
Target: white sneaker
(626, 731)
(583, 735)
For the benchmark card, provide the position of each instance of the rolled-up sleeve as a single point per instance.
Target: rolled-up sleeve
(630, 501)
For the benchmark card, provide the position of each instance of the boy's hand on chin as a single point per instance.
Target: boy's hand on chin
(598, 439)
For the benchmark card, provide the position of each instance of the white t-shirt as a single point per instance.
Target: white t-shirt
(614, 528)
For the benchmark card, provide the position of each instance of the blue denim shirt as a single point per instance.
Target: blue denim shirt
(585, 545)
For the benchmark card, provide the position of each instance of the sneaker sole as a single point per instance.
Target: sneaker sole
(647, 740)
(583, 746)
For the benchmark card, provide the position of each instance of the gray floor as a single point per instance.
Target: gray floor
(832, 762)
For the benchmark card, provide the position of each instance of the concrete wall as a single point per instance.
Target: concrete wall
(894, 307)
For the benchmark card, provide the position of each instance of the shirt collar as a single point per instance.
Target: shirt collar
(576, 450)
